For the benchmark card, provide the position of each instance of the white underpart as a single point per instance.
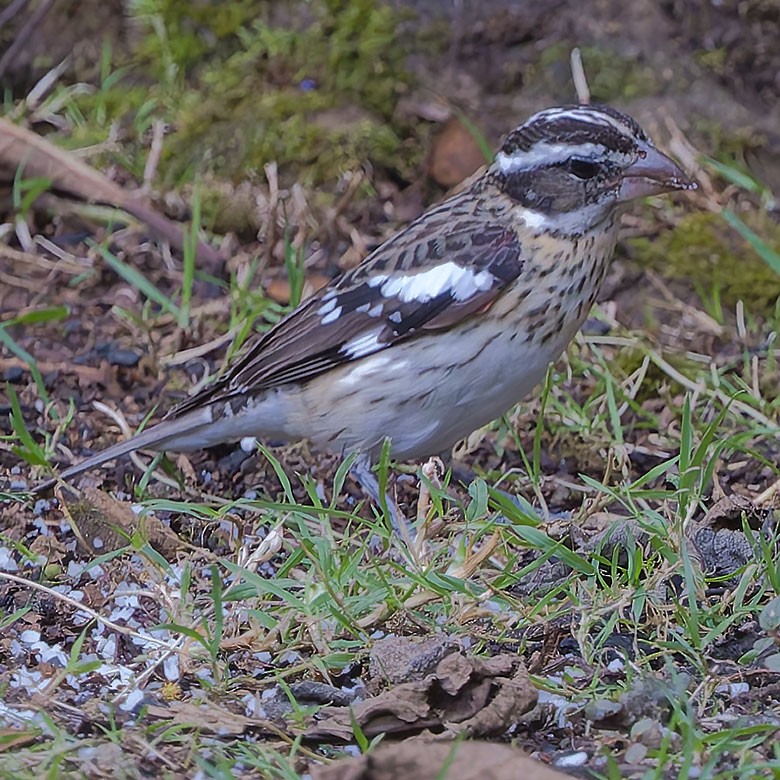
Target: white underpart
(362, 345)
(549, 154)
(462, 283)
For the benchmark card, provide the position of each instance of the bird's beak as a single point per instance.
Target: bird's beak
(651, 174)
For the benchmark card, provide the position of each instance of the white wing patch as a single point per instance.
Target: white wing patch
(329, 310)
(331, 316)
(362, 345)
(462, 283)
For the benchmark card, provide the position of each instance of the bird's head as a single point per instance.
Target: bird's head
(569, 168)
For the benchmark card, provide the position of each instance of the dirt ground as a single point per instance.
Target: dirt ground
(698, 73)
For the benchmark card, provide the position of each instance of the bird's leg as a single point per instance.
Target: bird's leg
(431, 474)
(364, 474)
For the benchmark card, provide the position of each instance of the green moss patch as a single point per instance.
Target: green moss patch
(704, 250)
(310, 86)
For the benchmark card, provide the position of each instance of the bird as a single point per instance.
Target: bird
(450, 322)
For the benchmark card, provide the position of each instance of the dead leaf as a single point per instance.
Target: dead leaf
(38, 158)
(87, 374)
(278, 289)
(99, 516)
(210, 718)
(424, 759)
(729, 511)
(455, 155)
(51, 549)
(465, 694)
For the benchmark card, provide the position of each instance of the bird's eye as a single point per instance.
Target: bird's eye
(583, 169)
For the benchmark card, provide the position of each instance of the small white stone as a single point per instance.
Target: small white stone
(171, 668)
(132, 700)
(579, 758)
(248, 444)
(733, 689)
(29, 636)
(7, 562)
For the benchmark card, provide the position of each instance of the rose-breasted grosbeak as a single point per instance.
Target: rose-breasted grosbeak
(451, 321)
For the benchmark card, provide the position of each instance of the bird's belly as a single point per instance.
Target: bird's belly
(427, 393)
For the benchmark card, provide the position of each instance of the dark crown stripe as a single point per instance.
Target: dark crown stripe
(576, 125)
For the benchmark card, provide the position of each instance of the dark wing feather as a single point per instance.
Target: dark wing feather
(307, 342)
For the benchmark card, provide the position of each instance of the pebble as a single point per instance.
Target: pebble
(13, 374)
(7, 561)
(579, 758)
(733, 689)
(126, 358)
(636, 753)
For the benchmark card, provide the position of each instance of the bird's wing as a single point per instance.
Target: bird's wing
(423, 279)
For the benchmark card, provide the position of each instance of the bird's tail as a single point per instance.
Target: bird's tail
(165, 435)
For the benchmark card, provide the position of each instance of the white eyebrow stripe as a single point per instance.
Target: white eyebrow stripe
(460, 282)
(547, 153)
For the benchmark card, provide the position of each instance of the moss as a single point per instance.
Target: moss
(178, 34)
(704, 250)
(714, 59)
(610, 76)
(311, 86)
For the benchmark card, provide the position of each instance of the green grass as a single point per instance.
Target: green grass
(333, 586)
(338, 577)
